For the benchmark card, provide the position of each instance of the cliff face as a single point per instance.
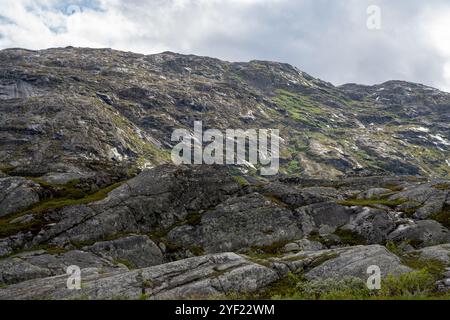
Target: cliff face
(70, 113)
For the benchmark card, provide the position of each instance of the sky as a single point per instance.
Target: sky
(360, 41)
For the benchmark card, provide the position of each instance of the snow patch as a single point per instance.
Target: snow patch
(114, 154)
(419, 129)
(440, 139)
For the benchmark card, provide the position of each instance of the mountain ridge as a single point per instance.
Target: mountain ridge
(394, 128)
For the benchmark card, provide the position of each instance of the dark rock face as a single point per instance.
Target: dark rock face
(324, 217)
(239, 223)
(154, 200)
(134, 251)
(39, 264)
(129, 240)
(372, 225)
(17, 194)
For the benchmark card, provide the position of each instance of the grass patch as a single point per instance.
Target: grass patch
(126, 263)
(412, 285)
(196, 250)
(194, 218)
(442, 186)
(241, 180)
(268, 251)
(416, 285)
(372, 202)
(432, 266)
(443, 217)
(72, 199)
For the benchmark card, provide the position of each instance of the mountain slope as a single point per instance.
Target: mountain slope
(69, 113)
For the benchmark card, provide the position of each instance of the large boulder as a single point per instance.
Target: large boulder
(197, 277)
(439, 252)
(241, 222)
(336, 263)
(39, 264)
(372, 225)
(430, 200)
(16, 194)
(136, 251)
(356, 261)
(422, 233)
(325, 217)
(154, 200)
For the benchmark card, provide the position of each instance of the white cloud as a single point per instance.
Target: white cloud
(326, 38)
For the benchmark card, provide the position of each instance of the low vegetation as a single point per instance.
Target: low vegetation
(417, 284)
(372, 202)
(66, 196)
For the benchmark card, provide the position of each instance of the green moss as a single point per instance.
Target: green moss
(147, 283)
(194, 218)
(7, 169)
(72, 199)
(241, 180)
(298, 107)
(273, 248)
(294, 167)
(172, 247)
(126, 263)
(442, 186)
(143, 296)
(372, 202)
(196, 250)
(443, 217)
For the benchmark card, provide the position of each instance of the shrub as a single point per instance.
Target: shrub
(331, 289)
(408, 285)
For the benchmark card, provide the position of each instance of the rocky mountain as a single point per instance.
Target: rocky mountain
(86, 180)
(71, 113)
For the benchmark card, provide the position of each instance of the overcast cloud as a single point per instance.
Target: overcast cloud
(327, 38)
